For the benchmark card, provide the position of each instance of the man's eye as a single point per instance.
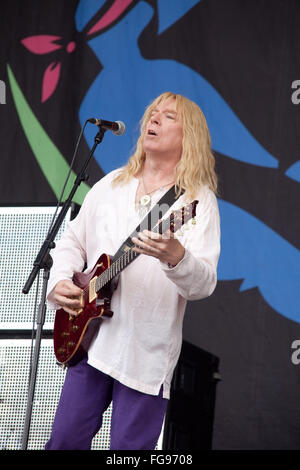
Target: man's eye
(170, 116)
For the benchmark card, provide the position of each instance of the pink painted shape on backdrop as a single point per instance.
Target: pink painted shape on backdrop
(111, 15)
(71, 47)
(50, 80)
(41, 44)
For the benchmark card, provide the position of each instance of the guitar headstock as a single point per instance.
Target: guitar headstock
(179, 217)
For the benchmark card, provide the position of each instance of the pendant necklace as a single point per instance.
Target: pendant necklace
(145, 200)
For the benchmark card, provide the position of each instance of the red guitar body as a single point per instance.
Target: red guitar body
(69, 330)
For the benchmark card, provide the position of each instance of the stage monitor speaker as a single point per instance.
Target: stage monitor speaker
(14, 373)
(190, 412)
(23, 230)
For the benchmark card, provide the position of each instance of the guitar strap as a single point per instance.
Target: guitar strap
(151, 219)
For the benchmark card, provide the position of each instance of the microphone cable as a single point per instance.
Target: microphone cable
(68, 176)
(35, 309)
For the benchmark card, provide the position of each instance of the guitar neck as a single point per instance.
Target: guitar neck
(115, 268)
(125, 259)
(176, 220)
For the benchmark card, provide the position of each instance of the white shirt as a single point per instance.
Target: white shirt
(140, 344)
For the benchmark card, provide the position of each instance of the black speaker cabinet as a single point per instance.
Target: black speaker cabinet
(190, 412)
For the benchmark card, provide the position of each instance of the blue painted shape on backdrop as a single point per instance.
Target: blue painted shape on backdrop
(128, 83)
(294, 171)
(251, 251)
(169, 13)
(85, 12)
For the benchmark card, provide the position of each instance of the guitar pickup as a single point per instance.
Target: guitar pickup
(92, 289)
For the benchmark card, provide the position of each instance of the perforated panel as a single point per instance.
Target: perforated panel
(14, 373)
(22, 232)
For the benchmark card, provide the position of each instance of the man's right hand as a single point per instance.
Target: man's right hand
(68, 296)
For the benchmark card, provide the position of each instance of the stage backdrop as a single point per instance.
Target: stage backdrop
(64, 62)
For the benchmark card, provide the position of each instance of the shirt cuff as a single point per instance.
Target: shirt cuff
(168, 267)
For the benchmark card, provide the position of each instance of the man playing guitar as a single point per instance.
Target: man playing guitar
(132, 355)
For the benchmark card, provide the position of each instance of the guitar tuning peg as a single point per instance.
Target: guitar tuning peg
(193, 221)
(179, 233)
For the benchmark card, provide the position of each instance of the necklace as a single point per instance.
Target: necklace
(145, 200)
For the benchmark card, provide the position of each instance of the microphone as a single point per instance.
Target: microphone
(117, 128)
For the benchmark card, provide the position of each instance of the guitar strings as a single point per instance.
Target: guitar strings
(117, 266)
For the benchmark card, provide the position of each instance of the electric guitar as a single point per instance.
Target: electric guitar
(70, 331)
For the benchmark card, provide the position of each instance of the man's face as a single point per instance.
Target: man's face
(164, 130)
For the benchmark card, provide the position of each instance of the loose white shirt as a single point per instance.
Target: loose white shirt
(140, 344)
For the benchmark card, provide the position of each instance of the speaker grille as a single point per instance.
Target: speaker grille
(23, 230)
(14, 376)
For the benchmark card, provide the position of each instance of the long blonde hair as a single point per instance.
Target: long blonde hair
(196, 166)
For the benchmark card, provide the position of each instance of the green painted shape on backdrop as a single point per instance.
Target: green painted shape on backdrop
(51, 161)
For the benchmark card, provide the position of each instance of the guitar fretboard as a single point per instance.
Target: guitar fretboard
(176, 220)
(115, 268)
(125, 259)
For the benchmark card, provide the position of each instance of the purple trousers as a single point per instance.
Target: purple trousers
(136, 419)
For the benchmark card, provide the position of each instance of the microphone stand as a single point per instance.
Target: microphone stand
(44, 261)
